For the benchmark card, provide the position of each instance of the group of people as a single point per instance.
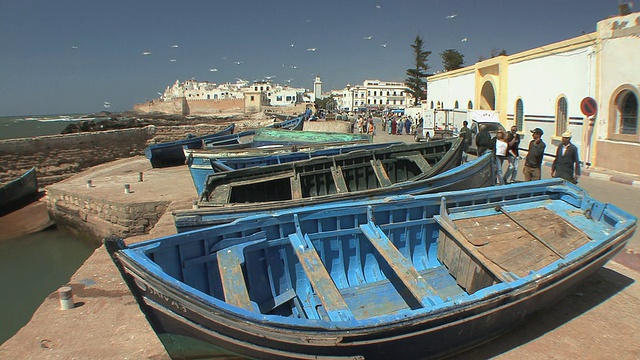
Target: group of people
(365, 126)
(505, 146)
(395, 125)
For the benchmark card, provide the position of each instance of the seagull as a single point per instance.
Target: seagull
(238, 62)
(451, 16)
(464, 40)
(173, 60)
(269, 77)
(311, 49)
(145, 53)
(213, 69)
(293, 44)
(368, 37)
(383, 45)
(294, 66)
(174, 46)
(289, 80)
(107, 104)
(377, 6)
(74, 47)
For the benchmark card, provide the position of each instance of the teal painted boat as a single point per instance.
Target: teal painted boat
(271, 136)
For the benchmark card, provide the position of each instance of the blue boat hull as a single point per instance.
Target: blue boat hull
(172, 153)
(366, 305)
(201, 166)
(18, 192)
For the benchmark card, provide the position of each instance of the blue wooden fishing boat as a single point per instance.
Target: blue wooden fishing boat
(19, 191)
(318, 181)
(171, 153)
(203, 163)
(392, 278)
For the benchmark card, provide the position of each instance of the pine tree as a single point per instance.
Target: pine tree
(416, 81)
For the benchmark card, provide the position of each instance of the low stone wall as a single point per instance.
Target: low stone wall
(57, 157)
(94, 218)
(328, 126)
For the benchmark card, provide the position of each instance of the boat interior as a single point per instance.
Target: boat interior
(322, 176)
(354, 264)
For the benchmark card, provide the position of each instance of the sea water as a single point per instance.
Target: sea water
(32, 267)
(35, 265)
(12, 127)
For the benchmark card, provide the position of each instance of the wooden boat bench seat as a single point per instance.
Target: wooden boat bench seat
(418, 159)
(327, 291)
(402, 267)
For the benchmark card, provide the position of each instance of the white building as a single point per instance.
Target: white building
(552, 86)
(197, 90)
(373, 94)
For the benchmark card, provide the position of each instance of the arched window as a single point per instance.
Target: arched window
(470, 105)
(561, 116)
(519, 115)
(628, 113)
(456, 105)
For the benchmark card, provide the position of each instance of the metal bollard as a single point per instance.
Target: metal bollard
(127, 188)
(89, 183)
(195, 204)
(66, 298)
(140, 176)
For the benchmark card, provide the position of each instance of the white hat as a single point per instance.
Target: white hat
(566, 134)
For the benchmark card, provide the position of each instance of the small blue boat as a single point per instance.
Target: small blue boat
(19, 191)
(203, 163)
(172, 154)
(391, 278)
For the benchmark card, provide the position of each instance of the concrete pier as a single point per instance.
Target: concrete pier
(600, 319)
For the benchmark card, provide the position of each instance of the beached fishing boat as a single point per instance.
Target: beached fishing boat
(203, 163)
(271, 136)
(394, 278)
(19, 191)
(171, 153)
(383, 173)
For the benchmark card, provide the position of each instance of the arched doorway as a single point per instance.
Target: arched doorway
(487, 97)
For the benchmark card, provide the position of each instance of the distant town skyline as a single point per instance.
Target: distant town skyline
(76, 57)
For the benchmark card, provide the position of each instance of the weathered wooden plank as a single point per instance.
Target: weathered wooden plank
(230, 266)
(419, 159)
(402, 267)
(338, 179)
(320, 280)
(497, 271)
(296, 187)
(381, 173)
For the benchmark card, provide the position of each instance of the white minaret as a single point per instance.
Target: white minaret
(317, 87)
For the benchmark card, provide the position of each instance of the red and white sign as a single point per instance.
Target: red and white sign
(588, 106)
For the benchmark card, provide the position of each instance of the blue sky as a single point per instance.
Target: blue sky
(70, 56)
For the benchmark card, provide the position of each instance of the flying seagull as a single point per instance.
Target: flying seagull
(289, 80)
(173, 60)
(145, 53)
(368, 37)
(213, 69)
(238, 62)
(377, 6)
(174, 46)
(383, 45)
(464, 40)
(74, 47)
(451, 16)
(293, 44)
(294, 66)
(311, 49)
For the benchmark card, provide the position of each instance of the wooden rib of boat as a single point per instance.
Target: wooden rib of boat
(374, 279)
(171, 153)
(203, 163)
(383, 172)
(19, 191)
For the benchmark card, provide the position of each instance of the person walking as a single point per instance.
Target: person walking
(500, 151)
(513, 155)
(465, 134)
(533, 161)
(483, 140)
(566, 164)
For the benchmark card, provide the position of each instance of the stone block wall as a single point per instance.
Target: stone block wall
(207, 106)
(57, 157)
(94, 219)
